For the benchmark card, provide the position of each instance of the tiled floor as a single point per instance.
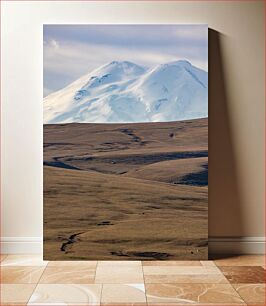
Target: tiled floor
(28, 280)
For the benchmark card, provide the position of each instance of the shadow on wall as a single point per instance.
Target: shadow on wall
(225, 217)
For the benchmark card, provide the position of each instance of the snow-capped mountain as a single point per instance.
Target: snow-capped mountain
(126, 92)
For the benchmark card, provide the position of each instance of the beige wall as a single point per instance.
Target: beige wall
(236, 102)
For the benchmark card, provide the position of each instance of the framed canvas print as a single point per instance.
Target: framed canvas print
(125, 142)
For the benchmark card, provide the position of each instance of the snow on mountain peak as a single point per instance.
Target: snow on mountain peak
(179, 63)
(122, 91)
(122, 67)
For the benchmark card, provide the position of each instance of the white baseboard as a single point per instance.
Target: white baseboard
(217, 245)
(21, 245)
(236, 245)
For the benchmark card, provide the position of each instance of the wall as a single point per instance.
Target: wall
(236, 102)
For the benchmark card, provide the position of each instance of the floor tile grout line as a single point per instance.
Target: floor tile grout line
(36, 284)
(222, 273)
(237, 293)
(101, 294)
(100, 302)
(144, 282)
(252, 303)
(231, 284)
(95, 277)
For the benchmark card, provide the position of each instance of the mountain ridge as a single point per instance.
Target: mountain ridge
(124, 92)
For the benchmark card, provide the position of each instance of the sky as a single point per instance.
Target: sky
(71, 51)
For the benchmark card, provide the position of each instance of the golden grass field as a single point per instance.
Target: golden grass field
(126, 191)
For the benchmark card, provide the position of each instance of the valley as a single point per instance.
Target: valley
(126, 191)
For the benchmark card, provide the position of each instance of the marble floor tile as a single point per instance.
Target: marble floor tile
(21, 275)
(192, 293)
(14, 304)
(68, 275)
(123, 293)
(251, 293)
(128, 304)
(66, 294)
(180, 270)
(242, 274)
(186, 279)
(119, 274)
(119, 263)
(208, 263)
(241, 260)
(74, 263)
(24, 260)
(16, 293)
(194, 304)
(193, 274)
(2, 257)
(172, 263)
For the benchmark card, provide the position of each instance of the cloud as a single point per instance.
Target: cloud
(75, 59)
(71, 57)
(72, 51)
(128, 35)
(54, 44)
